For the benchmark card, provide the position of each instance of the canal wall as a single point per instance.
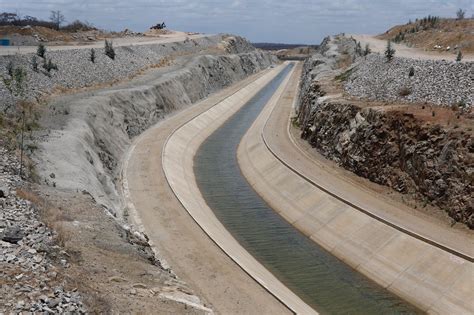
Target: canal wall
(178, 156)
(431, 278)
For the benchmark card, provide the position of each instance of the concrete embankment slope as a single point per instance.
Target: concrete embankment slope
(173, 233)
(428, 276)
(178, 157)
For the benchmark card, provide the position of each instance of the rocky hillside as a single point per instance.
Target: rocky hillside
(389, 147)
(437, 34)
(59, 250)
(32, 262)
(87, 134)
(437, 82)
(74, 68)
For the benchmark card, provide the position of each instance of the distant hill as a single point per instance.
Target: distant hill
(279, 46)
(434, 33)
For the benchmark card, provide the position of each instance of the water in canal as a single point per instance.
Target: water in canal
(320, 279)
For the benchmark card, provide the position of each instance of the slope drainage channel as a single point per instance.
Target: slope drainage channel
(320, 279)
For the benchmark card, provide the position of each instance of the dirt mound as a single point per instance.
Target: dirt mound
(47, 34)
(435, 36)
(154, 32)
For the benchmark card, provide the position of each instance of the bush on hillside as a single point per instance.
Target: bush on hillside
(389, 51)
(41, 50)
(78, 26)
(460, 14)
(109, 50)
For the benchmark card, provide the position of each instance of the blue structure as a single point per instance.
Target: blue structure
(4, 42)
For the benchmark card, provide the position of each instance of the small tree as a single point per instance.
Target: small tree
(459, 56)
(92, 55)
(16, 85)
(10, 68)
(389, 51)
(49, 65)
(41, 50)
(367, 50)
(57, 18)
(109, 50)
(358, 49)
(460, 14)
(34, 64)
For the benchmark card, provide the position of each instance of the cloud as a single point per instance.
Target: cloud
(293, 21)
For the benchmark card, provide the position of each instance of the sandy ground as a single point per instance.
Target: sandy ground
(378, 45)
(176, 236)
(124, 41)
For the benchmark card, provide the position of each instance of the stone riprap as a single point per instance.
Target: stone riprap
(436, 82)
(76, 70)
(86, 134)
(391, 148)
(32, 264)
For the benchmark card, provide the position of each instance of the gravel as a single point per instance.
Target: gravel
(30, 280)
(76, 70)
(437, 82)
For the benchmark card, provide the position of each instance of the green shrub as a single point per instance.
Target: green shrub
(49, 65)
(345, 75)
(10, 68)
(34, 64)
(367, 50)
(41, 50)
(109, 50)
(92, 55)
(389, 51)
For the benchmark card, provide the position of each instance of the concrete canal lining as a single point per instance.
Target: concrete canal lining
(427, 276)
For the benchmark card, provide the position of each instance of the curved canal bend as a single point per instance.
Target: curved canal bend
(320, 279)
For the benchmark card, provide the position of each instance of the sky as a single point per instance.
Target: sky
(281, 21)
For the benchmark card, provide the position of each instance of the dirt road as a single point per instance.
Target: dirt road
(124, 41)
(378, 45)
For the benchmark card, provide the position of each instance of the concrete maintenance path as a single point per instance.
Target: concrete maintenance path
(419, 269)
(174, 234)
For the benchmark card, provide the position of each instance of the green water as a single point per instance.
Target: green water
(320, 279)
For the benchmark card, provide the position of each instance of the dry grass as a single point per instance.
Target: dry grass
(447, 32)
(53, 217)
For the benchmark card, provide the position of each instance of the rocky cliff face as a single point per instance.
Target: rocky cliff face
(395, 150)
(390, 148)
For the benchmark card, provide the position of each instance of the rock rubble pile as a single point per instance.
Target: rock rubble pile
(31, 262)
(392, 148)
(430, 81)
(76, 70)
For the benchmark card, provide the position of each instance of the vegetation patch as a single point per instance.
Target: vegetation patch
(345, 75)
